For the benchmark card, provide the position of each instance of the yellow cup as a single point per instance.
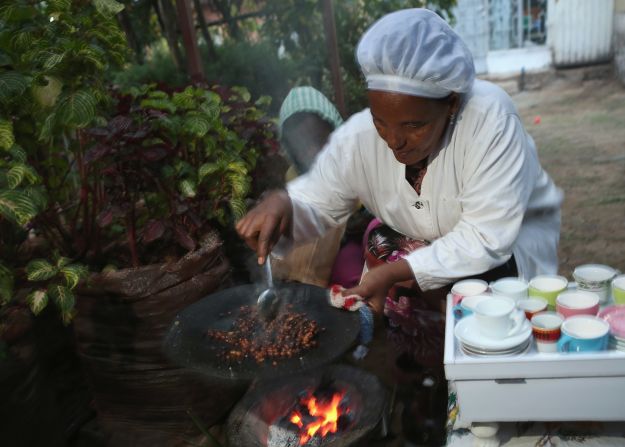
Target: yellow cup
(547, 287)
(618, 289)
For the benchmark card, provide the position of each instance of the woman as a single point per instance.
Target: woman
(481, 196)
(444, 161)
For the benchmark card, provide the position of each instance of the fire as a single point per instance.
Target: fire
(323, 416)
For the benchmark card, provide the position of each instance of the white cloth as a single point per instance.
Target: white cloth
(415, 52)
(484, 197)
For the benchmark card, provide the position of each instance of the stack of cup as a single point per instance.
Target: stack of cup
(595, 278)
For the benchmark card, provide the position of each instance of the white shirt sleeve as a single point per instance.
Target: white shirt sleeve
(498, 177)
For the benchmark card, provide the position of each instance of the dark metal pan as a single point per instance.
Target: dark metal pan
(187, 345)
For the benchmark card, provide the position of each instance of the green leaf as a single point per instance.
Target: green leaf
(17, 207)
(18, 173)
(76, 109)
(238, 166)
(207, 169)
(6, 284)
(37, 300)
(107, 7)
(184, 100)
(51, 60)
(237, 205)
(242, 93)
(210, 109)
(40, 270)
(188, 188)
(240, 185)
(263, 101)
(62, 296)
(59, 5)
(37, 196)
(73, 274)
(158, 104)
(18, 154)
(12, 84)
(196, 125)
(7, 139)
(46, 129)
(61, 261)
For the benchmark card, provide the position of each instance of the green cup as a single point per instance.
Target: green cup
(618, 289)
(547, 287)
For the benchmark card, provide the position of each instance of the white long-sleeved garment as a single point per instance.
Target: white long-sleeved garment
(484, 196)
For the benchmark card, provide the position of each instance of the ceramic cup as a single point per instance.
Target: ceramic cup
(594, 278)
(577, 302)
(547, 287)
(546, 330)
(466, 307)
(532, 306)
(511, 287)
(498, 317)
(618, 289)
(467, 287)
(584, 333)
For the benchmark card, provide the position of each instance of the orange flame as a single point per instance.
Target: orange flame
(326, 416)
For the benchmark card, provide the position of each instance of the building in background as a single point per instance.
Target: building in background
(507, 36)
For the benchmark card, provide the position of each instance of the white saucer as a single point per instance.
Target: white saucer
(468, 332)
(521, 349)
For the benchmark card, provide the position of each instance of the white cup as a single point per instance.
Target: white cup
(594, 278)
(498, 317)
(511, 287)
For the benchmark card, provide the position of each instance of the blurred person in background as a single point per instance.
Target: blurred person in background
(443, 161)
(307, 118)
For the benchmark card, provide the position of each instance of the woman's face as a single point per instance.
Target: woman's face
(411, 126)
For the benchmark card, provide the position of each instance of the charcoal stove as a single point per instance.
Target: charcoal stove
(286, 412)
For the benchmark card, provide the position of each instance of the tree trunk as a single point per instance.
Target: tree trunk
(224, 9)
(210, 47)
(189, 37)
(131, 37)
(167, 19)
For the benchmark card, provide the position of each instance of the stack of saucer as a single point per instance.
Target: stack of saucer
(476, 344)
(615, 316)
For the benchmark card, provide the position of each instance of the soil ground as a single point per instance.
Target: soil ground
(580, 139)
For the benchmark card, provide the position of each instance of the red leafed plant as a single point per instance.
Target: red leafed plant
(167, 168)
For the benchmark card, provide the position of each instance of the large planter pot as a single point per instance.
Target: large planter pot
(122, 316)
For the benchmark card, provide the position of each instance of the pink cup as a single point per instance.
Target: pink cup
(467, 287)
(577, 302)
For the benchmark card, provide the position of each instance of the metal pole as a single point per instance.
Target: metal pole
(519, 9)
(333, 53)
(185, 18)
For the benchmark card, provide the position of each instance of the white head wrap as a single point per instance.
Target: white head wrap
(415, 52)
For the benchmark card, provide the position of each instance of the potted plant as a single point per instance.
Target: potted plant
(137, 187)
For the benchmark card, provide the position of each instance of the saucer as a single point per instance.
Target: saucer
(615, 316)
(468, 332)
(521, 349)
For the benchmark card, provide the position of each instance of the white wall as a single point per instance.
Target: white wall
(510, 62)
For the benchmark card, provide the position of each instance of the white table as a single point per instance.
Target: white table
(535, 386)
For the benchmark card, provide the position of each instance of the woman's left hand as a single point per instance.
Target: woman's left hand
(378, 281)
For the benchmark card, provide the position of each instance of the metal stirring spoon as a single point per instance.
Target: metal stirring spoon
(268, 301)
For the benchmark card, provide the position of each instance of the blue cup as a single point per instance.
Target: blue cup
(584, 333)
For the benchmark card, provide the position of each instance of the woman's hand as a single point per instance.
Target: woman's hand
(262, 226)
(378, 281)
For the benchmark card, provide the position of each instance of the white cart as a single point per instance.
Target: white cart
(536, 386)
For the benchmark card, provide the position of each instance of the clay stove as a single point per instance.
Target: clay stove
(337, 406)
